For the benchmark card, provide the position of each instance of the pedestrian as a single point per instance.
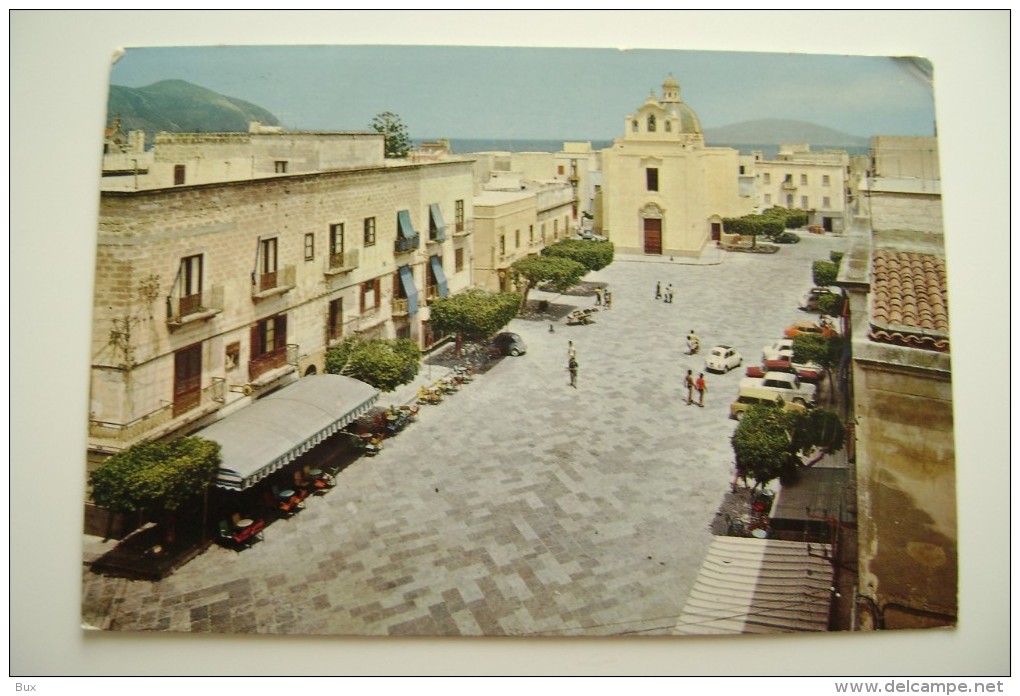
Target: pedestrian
(658, 290)
(571, 351)
(609, 299)
(689, 384)
(598, 296)
(700, 386)
(669, 293)
(572, 368)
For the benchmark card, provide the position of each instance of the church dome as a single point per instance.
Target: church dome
(689, 122)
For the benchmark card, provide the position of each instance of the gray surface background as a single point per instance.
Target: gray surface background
(58, 72)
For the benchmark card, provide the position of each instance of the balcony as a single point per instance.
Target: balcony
(437, 236)
(190, 308)
(266, 362)
(462, 229)
(400, 307)
(431, 292)
(788, 185)
(344, 262)
(274, 283)
(405, 245)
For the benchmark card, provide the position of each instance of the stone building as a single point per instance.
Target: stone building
(513, 220)
(800, 179)
(664, 191)
(895, 278)
(219, 283)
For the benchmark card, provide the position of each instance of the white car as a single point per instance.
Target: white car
(781, 349)
(722, 359)
(785, 384)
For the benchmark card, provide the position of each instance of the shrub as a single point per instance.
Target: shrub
(836, 257)
(824, 273)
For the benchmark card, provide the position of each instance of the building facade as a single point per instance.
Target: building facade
(663, 191)
(210, 294)
(905, 460)
(799, 179)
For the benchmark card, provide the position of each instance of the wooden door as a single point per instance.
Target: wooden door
(653, 236)
(187, 379)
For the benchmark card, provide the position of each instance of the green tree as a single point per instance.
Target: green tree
(791, 219)
(156, 477)
(398, 142)
(473, 315)
(824, 273)
(771, 443)
(560, 272)
(593, 255)
(754, 225)
(827, 351)
(831, 304)
(384, 363)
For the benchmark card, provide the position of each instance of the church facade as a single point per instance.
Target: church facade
(665, 192)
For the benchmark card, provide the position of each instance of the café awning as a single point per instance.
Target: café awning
(272, 432)
(407, 280)
(437, 273)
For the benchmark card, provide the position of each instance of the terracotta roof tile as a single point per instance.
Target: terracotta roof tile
(908, 300)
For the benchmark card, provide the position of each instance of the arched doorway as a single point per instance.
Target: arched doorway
(311, 371)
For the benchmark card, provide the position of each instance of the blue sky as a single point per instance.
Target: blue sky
(497, 92)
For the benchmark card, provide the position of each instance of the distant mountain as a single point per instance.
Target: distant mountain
(181, 107)
(778, 131)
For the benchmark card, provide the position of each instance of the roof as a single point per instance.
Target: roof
(270, 433)
(749, 585)
(819, 492)
(909, 300)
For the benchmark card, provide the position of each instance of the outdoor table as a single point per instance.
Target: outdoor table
(315, 473)
(242, 524)
(287, 493)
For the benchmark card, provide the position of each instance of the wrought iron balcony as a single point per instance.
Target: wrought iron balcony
(273, 283)
(200, 306)
(406, 244)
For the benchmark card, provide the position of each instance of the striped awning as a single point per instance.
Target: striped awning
(272, 432)
(749, 585)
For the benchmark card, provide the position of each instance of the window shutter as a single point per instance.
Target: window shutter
(281, 332)
(256, 341)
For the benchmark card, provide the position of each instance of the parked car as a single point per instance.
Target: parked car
(787, 385)
(810, 327)
(509, 344)
(781, 348)
(809, 302)
(808, 372)
(746, 401)
(786, 238)
(722, 359)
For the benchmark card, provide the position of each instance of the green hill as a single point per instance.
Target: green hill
(181, 107)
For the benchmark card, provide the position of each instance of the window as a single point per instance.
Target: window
(826, 202)
(267, 278)
(268, 345)
(232, 356)
(458, 214)
(634, 125)
(370, 292)
(280, 167)
(309, 246)
(651, 123)
(531, 234)
(187, 379)
(768, 199)
(742, 170)
(669, 127)
(178, 174)
(803, 202)
(803, 179)
(336, 245)
(191, 284)
(541, 234)
(652, 178)
(766, 178)
(556, 229)
(559, 170)
(335, 320)
(502, 245)
(825, 180)
(369, 231)
(458, 260)
(517, 239)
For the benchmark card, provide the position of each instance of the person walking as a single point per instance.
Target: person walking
(609, 299)
(700, 386)
(658, 290)
(689, 384)
(669, 293)
(571, 351)
(598, 296)
(572, 368)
